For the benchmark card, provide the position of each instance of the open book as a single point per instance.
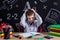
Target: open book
(29, 34)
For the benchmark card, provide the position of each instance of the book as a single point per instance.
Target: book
(29, 34)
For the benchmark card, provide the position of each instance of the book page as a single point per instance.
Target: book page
(28, 34)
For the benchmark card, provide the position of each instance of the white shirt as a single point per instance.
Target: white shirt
(34, 26)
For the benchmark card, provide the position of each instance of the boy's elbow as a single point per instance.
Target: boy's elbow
(41, 21)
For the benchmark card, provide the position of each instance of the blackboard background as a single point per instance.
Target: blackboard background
(8, 12)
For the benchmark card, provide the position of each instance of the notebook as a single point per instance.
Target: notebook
(29, 34)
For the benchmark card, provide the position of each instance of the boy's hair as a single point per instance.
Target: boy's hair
(29, 12)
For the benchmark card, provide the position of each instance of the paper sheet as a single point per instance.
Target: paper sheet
(28, 34)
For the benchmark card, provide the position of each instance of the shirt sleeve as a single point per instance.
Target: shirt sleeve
(22, 22)
(38, 19)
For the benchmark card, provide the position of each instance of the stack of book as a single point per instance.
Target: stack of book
(11, 33)
(55, 30)
(1, 33)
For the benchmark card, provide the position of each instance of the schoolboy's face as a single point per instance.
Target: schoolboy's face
(31, 18)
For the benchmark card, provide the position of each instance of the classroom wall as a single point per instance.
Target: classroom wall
(12, 10)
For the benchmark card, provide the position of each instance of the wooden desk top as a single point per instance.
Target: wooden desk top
(42, 35)
(36, 37)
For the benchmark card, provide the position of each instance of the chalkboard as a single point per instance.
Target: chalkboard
(53, 16)
(12, 10)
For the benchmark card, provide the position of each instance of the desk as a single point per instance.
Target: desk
(36, 37)
(41, 36)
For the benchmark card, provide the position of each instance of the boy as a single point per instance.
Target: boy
(30, 20)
